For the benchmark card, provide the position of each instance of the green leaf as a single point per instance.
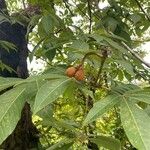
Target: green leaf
(140, 95)
(80, 45)
(62, 145)
(31, 55)
(147, 110)
(42, 77)
(124, 88)
(50, 54)
(106, 142)
(116, 46)
(49, 92)
(48, 23)
(135, 18)
(133, 92)
(11, 104)
(136, 124)
(111, 23)
(8, 82)
(47, 115)
(101, 107)
(127, 65)
(97, 37)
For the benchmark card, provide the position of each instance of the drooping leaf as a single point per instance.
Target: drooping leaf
(124, 88)
(47, 116)
(49, 92)
(127, 66)
(116, 45)
(101, 107)
(106, 142)
(8, 82)
(62, 145)
(136, 124)
(48, 76)
(48, 23)
(80, 45)
(11, 105)
(140, 95)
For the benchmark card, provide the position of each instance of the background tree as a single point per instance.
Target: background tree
(13, 54)
(99, 103)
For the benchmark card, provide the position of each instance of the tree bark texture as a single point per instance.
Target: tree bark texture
(24, 137)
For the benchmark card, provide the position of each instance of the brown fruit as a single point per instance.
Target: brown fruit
(70, 72)
(79, 75)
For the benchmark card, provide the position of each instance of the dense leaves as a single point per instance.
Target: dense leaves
(109, 108)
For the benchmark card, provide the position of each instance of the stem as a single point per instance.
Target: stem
(100, 70)
(104, 53)
(88, 54)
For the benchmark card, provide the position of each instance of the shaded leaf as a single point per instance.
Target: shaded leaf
(136, 124)
(80, 45)
(101, 107)
(62, 145)
(140, 95)
(106, 142)
(8, 82)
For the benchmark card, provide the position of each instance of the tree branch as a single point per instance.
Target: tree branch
(90, 16)
(80, 10)
(24, 5)
(139, 5)
(135, 55)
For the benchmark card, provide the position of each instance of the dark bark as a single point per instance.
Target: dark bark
(3, 6)
(24, 137)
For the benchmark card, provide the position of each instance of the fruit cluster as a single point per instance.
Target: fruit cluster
(76, 72)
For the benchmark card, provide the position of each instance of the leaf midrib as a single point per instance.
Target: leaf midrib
(11, 104)
(134, 121)
(51, 92)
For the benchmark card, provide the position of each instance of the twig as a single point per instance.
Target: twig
(45, 61)
(101, 65)
(24, 5)
(80, 10)
(67, 6)
(135, 55)
(90, 16)
(147, 16)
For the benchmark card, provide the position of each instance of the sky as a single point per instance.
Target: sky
(147, 48)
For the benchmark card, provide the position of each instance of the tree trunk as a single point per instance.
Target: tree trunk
(25, 135)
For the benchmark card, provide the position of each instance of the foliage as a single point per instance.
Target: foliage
(107, 108)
